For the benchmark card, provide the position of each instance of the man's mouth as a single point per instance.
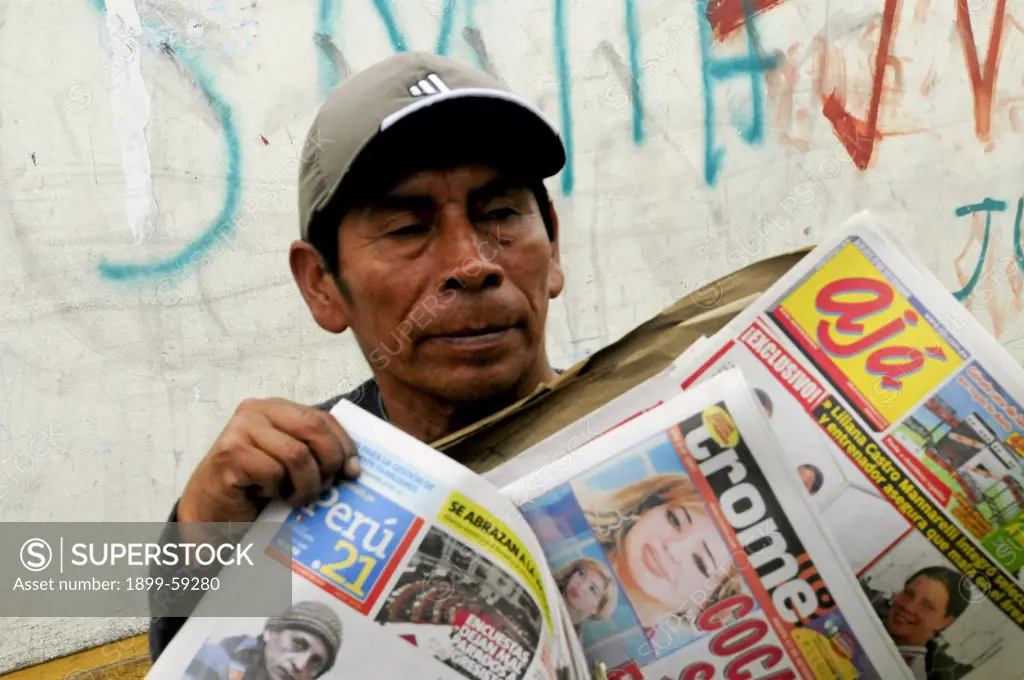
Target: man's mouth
(474, 337)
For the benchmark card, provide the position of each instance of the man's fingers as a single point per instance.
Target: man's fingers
(328, 442)
(296, 459)
(350, 467)
(261, 470)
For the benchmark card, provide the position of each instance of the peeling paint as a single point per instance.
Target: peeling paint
(130, 102)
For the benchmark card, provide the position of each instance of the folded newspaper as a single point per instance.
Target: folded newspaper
(913, 435)
(903, 419)
(678, 546)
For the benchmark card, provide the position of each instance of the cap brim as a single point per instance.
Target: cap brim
(460, 126)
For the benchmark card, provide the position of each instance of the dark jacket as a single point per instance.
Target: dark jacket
(942, 666)
(163, 628)
(234, 658)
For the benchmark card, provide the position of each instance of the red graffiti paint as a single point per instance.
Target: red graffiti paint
(859, 136)
(725, 16)
(982, 84)
(265, 141)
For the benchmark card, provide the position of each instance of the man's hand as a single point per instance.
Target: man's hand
(271, 448)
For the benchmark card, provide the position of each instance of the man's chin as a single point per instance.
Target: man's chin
(473, 383)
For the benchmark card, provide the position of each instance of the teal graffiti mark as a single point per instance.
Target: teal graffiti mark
(444, 35)
(224, 223)
(565, 96)
(754, 64)
(1018, 254)
(635, 91)
(327, 14)
(988, 206)
(327, 69)
(391, 25)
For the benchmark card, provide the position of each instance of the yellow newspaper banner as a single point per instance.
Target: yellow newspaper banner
(480, 526)
(874, 344)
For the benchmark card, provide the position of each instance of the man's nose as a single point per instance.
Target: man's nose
(469, 256)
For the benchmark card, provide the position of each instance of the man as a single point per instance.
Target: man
(928, 604)
(427, 231)
(301, 644)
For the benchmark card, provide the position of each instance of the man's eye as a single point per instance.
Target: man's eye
(500, 213)
(409, 230)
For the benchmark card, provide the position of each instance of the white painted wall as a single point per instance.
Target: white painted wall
(119, 156)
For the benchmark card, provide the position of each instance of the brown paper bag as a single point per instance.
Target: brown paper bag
(606, 374)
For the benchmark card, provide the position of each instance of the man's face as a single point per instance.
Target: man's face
(293, 655)
(918, 612)
(448, 278)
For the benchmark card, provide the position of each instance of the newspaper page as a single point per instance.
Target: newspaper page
(683, 548)
(409, 571)
(623, 408)
(912, 431)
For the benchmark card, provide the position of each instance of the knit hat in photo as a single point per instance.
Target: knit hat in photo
(314, 618)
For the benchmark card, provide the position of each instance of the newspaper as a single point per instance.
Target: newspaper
(683, 548)
(422, 569)
(410, 571)
(912, 431)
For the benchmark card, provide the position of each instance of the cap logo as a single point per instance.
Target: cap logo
(432, 84)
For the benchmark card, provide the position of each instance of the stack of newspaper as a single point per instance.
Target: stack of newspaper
(830, 487)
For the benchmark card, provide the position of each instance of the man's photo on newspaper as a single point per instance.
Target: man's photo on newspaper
(942, 625)
(301, 643)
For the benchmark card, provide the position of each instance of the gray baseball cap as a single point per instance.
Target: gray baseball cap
(413, 109)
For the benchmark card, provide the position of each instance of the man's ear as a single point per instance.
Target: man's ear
(318, 288)
(556, 277)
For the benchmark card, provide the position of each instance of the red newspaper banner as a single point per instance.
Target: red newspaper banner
(788, 372)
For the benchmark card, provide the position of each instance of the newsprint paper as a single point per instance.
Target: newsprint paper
(413, 563)
(918, 429)
(683, 548)
(679, 546)
(904, 421)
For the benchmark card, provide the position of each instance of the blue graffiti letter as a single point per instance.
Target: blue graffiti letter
(714, 69)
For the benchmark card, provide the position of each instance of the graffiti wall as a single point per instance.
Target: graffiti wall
(149, 151)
